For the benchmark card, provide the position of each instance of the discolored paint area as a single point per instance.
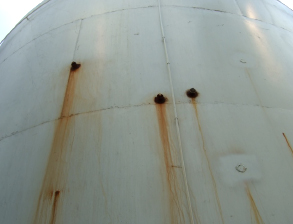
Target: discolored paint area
(288, 143)
(193, 101)
(54, 183)
(254, 209)
(174, 191)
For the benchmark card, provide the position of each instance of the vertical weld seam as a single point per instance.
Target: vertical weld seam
(77, 39)
(253, 86)
(288, 143)
(64, 112)
(208, 161)
(236, 2)
(175, 113)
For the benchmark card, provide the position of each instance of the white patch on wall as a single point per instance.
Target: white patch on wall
(238, 168)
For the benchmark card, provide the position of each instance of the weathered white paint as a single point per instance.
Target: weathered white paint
(91, 146)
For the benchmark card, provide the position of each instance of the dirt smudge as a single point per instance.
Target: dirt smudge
(194, 104)
(288, 143)
(175, 206)
(254, 209)
(57, 167)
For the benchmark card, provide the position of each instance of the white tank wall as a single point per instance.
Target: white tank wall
(91, 146)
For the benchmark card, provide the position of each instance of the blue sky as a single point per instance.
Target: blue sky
(12, 11)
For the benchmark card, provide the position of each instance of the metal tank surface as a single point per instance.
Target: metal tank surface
(82, 139)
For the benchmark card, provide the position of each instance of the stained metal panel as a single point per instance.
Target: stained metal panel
(91, 146)
(35, 82)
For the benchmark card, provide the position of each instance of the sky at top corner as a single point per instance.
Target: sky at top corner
(12, 11)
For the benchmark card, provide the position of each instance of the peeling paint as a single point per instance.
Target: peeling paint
(194, 104)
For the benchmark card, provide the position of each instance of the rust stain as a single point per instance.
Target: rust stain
(254, 209)
(288, 143)
(54, 207)
(69, 94)
(176, 212)
(57, 167)
(194, 104)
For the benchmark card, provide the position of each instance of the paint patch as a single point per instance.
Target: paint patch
(229, 174)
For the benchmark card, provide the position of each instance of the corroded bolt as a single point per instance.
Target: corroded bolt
(160, 99)
(192, 93)
(74, 66)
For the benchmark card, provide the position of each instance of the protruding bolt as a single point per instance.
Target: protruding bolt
(192, 93)
(74, 66)
(160, 99)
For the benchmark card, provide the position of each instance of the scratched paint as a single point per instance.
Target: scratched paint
(194, 104)
(254, 209)
(288, 143)
(54, 183)
(175, 203)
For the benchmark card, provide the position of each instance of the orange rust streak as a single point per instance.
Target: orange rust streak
(69, 94)
(56, 170)
(257, 216)
(288, 143)
(54, 207)
(207, 159)
(175, 208)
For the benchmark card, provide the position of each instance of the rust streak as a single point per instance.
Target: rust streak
(257, 216)
(57, 166)
(54, 207)
(69, 94)
(194, 104)
(288, 143)
(175, 208)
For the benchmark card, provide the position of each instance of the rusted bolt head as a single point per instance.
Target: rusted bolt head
(74, 66)
(192, 93)
(160, 99)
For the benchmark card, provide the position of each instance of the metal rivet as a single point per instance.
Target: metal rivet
(192, 93)
(160, 99)
(240, 168)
